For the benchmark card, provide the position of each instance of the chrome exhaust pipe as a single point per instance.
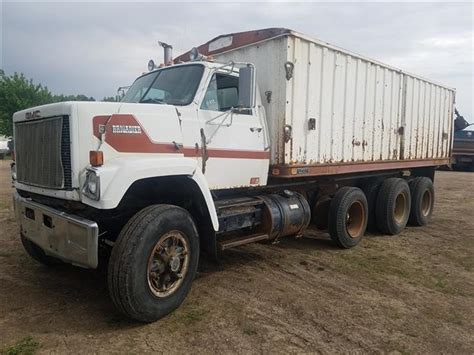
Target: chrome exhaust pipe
(167, 53)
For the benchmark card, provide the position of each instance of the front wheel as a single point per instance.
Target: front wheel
(153, 262)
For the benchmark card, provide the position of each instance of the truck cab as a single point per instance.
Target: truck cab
(188, 111)
(175, 121)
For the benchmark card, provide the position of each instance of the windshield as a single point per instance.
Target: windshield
(173, 85)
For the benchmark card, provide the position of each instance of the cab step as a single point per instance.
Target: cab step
(236, 202)
(237, 241)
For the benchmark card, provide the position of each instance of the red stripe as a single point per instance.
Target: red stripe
(227, 153)
(141, 142)
(238, 154)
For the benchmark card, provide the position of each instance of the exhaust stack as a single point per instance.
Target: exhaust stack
(167, 53)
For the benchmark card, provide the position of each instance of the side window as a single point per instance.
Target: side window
(210, 99)
(222, 93)
(227, 98)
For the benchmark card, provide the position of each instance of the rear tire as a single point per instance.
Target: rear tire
(348, 217)
(38, 254)
(153, 262)
(422, 197)
(371, 192)
(393, 206)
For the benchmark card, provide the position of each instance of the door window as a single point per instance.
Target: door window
(222, 93)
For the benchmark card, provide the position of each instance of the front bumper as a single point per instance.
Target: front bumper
(71, 238)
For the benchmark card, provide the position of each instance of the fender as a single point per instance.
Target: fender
(119, 174)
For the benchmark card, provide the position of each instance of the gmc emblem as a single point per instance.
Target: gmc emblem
(32, 115)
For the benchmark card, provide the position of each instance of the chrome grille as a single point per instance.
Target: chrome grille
(42, 151)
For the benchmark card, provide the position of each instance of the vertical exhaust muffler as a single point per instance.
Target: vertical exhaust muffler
(167, 53)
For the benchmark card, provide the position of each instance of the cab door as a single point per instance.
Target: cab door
(233, 143)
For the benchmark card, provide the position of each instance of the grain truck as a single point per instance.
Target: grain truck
(249, 137)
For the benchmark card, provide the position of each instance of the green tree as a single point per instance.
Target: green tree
(61, 98)
(17, 93)
(110, 99)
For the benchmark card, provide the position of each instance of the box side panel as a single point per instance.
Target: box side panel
(269, 58)
(345, 109)
(355, 105)
(428, 120)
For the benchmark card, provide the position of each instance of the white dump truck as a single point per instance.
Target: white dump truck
(248, 137)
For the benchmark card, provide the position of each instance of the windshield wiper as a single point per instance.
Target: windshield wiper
(151, 99)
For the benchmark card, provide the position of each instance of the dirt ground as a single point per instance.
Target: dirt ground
(412, 293)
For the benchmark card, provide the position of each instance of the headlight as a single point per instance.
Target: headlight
(92, 185)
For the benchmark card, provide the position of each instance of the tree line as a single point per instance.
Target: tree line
(18, 92)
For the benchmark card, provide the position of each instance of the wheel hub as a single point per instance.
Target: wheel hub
(168, 264)
(355, 219)
(426, 203)
(175, 263)
(400, 210)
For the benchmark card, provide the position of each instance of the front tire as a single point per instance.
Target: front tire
(153, 262)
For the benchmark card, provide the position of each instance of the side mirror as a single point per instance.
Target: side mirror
(247, 86)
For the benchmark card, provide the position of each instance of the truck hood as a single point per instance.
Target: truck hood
(63, 108)
(158, 123)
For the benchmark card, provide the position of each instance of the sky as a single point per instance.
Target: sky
(93, 48)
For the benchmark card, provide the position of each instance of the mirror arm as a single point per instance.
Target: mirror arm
(219, 115)
(232, 65)
(220, 124)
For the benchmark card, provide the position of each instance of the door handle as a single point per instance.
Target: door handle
(256, 129)
(178, 146)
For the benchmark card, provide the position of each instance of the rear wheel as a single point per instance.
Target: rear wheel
(422, 197)
(393, 206)
(153, 262)
(348, 217)
(38, 254)
(371, 191)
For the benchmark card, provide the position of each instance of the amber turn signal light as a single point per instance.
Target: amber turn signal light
(96, 158)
